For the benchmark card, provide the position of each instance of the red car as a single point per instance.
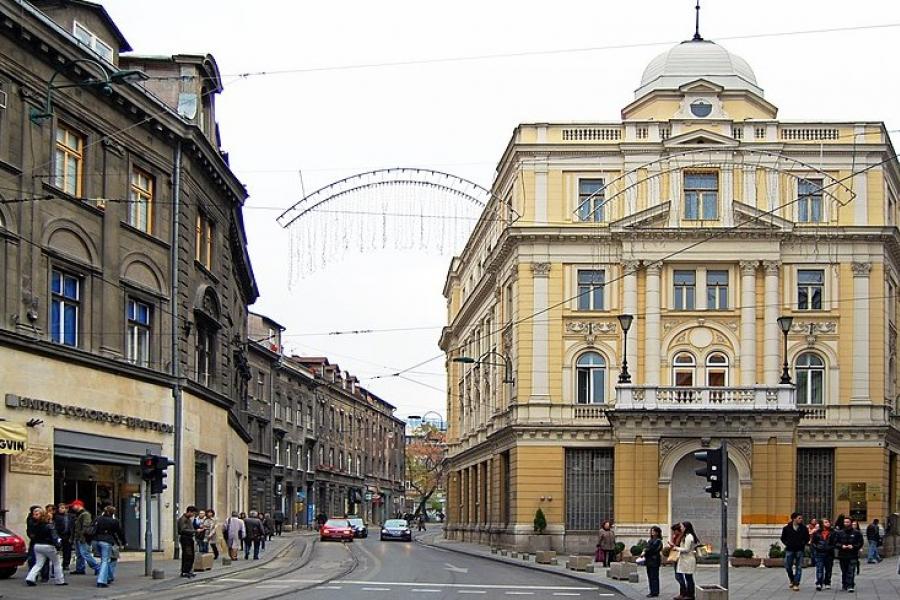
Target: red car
(336, 529)
(13, 552)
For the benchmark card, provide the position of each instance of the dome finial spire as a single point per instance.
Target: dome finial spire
(697, 36)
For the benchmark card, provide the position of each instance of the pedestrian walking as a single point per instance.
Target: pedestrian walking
(269, 524)
(81, 539)
(243, 539)
(421, 522)
(210, 525)
(606, 544)
(187, 535)
(234, 534)
(795, 537)
(652, 557)
(848, 542)
(109, 537)
(278, 518)
(200, 532)
(46, 545)
(822, 545)
(63, 522)
(855, 525)
(254, 534)
(686, 565)
(873, 538)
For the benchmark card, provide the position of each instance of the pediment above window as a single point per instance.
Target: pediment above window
(701, 138)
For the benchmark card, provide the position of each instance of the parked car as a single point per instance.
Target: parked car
(359, 527)
(13, 552)
(396, 529)
(336, 529)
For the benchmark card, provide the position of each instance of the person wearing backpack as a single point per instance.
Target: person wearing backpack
(82, 532)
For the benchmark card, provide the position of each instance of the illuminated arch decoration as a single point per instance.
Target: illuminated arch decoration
(624, 187)
(399, 208)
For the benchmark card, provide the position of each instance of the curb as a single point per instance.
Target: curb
(518, 563)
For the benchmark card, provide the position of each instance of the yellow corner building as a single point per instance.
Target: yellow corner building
(707, 219)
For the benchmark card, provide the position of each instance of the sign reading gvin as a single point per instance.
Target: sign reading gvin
(86, 414)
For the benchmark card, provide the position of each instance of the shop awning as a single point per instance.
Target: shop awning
(13, 438)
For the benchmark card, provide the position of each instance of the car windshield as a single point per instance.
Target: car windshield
(336, 523)
(395, 523)
(357, 522)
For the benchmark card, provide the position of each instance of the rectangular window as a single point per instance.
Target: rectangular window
(277, 410)
(591, 200)
(810, 285)
(590, 289)
(203, 354)
(685, 286)
(288, 454)
(138, 332)
(815, 482)
(717, 290)
(261, 386)
(68, 160)
(86, 37)
(203, 241)
(589, 488)
(140, 201)
(64, 306)
(809, 201)
(277, 453)
(701, 196)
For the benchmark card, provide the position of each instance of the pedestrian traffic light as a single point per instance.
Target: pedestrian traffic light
(712, 471)
(153, 471)
(148, 467)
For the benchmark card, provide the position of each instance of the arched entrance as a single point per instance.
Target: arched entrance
(690, 503)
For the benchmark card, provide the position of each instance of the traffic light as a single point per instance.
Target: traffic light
(712, 471)
(148, 467)
(156, 484)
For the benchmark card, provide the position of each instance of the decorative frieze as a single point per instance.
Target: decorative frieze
(591, 329)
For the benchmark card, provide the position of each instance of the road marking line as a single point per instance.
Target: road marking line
(562, 588)
(235, 580)
(520, 593)
(565, 594)
(426, 591)
(371, 589)
(472, 592)
(330, 587)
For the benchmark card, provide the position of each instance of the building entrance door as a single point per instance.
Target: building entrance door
(691, 503)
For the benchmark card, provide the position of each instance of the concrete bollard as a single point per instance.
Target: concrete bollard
(158, 574)
(621, 570)
(711, 592)
(544, 557)
(226, 561)
(579, 563)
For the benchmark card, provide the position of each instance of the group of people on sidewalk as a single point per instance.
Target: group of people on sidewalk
(55, 532)
(198, 531)
(842, 539)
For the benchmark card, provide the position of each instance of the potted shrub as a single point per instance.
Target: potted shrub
(743, 557)
(617, 553)
(539, 542)
(776, 556)
(635, 551)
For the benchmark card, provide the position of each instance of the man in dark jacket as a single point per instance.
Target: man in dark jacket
(873, 537)
(80, 542)
(822, 543)
(794, 536)
(278, 517)
(253, 536)
(847, 542)
(63, 522)
(108, 536)
(186, 536)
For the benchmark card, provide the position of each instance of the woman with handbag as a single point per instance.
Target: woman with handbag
(652, 559)
(46, 546)
(108, 537)
(606, 544)
(687, 561)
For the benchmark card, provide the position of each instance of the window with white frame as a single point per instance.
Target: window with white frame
(684, 369)
(809, 201)
(89, 39)
(65, 305)
(138, 327)
(701, 196)
(590, 376)
(590, 289)
(717, 370)
(684, 289)
(287, 454)
(277, 410)
(140, 201)
(203, 352)
(810, 288)
(717, 290)
(277, 452)
(591, 200)
(809, 371)
(68, 160)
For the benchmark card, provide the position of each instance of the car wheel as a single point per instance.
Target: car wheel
(7, 573)
(322, 539)
(382, 538)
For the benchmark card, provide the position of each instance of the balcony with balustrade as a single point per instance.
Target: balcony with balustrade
(681, 398)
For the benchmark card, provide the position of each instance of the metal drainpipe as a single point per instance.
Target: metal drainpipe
(176, 354)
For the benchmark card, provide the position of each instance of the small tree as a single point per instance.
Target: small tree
(776, 551)
(425, 464)
(540, 521)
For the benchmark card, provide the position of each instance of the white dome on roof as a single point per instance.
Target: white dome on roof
(696, 59)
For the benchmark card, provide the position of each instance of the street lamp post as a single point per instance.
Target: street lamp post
(625, 322)
(784, 323)
(507, 363)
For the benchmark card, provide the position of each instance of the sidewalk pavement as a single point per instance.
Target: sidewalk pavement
(877, 581)
(130, 577)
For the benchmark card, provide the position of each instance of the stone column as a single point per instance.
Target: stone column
(748, 321)
(540, 192)
(726, 195)
(630, 306)
(772, 333)
(750, 185)
(651, 325)
(861, 366)
(540, 326)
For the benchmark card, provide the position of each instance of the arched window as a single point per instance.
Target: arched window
(716, 370)
(591, 378)
(684, 368)
(809, 369)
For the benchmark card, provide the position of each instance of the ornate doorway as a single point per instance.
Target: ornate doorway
(690, 503)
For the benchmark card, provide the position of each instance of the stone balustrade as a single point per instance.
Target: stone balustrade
(756, 397)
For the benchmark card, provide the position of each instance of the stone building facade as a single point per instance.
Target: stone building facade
(706, 218)
(125, 271)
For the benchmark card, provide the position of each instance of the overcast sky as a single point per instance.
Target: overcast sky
(458, 117)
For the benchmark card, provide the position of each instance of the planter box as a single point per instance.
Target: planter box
(203, 562)
(711, 592)
(545, 557)
(579, 563)
(745, 562)
(538, 543)
(774, 562)
(621, 570)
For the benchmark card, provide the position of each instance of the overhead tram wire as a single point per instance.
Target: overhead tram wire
(711, 236)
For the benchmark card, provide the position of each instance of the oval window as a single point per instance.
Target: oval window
(701, 108)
